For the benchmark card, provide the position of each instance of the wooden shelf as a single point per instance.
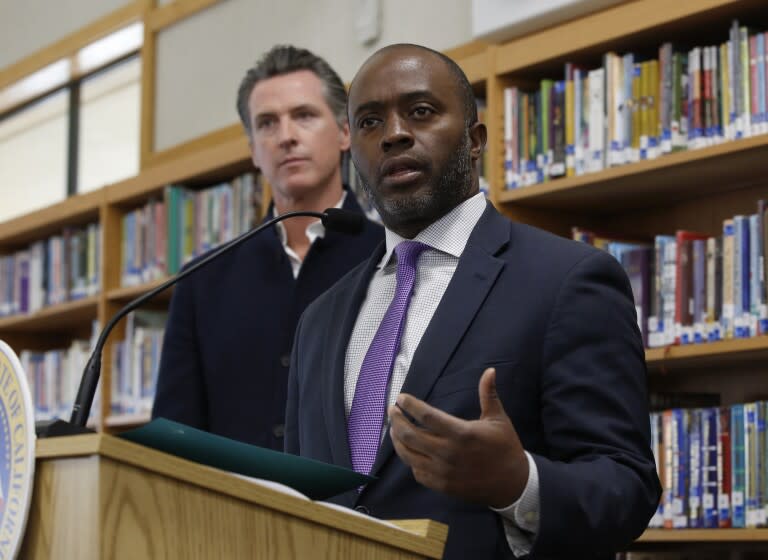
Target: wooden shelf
(206, 166)
(709, 353)
(124, 295)
(703, 535)
(74, 211)
(62, 317)
(475, 60)
(669, 178)
(126, 421)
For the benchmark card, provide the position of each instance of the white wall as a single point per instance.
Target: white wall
(27, 26)
(202, 59)
(499, 20)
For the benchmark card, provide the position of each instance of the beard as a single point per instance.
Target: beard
(452, 186)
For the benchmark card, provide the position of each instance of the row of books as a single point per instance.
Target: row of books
(54, 377)
(164, 234)
(136, 361)
(60, 268)
(700, 551)
(630, 109)
(692, 287)
(713, 466)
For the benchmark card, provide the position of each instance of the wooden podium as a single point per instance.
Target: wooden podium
(101, 497)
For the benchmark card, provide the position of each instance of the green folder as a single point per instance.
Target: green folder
(314, 479)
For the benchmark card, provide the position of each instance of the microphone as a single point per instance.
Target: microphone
(334, 219)
(343, 221)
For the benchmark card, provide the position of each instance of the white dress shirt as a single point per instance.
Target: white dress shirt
(314, 230)
(446, 239)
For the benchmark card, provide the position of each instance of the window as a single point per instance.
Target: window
(108, 148)
(33, 156)
(72, 126)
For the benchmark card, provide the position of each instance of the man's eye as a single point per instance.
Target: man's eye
(304, 115)
(422, 111)
(367, 122)
(264, 124)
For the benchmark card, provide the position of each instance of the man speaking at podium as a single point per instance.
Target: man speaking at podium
(224, 365)
(489, 374)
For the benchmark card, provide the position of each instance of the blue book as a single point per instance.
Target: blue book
(709, 438)
(680, 468)
(738, 479)
(695, 470)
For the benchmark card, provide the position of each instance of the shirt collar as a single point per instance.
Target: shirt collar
(314, 230)
(449, 234)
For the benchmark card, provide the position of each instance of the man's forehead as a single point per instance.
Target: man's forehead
(409, 65)
(406, 59)
(286, 90)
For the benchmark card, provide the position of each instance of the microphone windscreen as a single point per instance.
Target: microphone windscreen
(343, 221)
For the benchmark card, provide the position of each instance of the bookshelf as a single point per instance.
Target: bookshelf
(677, 177)
(56, 326)
(695, 189)
(61, 317)
(213, 163)
(704, 536)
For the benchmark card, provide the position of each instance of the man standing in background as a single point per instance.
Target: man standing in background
(224, 365)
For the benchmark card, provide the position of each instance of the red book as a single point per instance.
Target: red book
(684, 285)
(724, 468)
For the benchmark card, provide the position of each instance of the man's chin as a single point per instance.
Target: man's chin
(297, 185)
(406, 209)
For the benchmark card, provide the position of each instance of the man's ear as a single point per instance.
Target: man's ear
(344, 137)
(254, 159)
(478, 136)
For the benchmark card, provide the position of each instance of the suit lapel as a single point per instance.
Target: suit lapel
(344, 310)
(475, 275)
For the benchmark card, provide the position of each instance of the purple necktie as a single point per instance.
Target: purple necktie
(367, 413)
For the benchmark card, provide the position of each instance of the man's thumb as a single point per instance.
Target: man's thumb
(490, 405)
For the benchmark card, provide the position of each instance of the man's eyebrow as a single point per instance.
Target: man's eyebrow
(368, 106)
(297, 108)
(262, 114)
(418, 95)
(303, 107)
(408, 97)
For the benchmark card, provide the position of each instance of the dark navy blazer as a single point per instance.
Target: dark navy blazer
(557, 321)
(224, 365)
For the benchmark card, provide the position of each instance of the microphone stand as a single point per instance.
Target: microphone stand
(82, 406)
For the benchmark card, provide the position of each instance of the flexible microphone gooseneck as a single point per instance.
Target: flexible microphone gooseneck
(334, 219)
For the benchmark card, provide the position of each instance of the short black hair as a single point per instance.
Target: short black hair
(285, 59)
(466, 92)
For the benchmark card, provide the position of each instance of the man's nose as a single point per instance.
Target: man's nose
(396, 133)
(286, 132)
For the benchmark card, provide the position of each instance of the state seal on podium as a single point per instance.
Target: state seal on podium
(17, 452)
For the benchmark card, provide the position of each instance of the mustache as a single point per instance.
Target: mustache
(409, 161)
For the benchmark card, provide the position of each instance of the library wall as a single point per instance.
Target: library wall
(28, 26)
(201, 59)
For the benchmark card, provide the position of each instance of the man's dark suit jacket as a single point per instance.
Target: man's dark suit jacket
(557, 321)
(224, 365)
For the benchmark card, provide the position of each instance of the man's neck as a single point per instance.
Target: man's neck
(296, 228)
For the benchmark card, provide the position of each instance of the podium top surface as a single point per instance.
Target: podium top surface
(421, 536)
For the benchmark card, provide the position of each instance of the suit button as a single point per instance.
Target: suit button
(285, 360)
(363, 510)
(278, 430)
